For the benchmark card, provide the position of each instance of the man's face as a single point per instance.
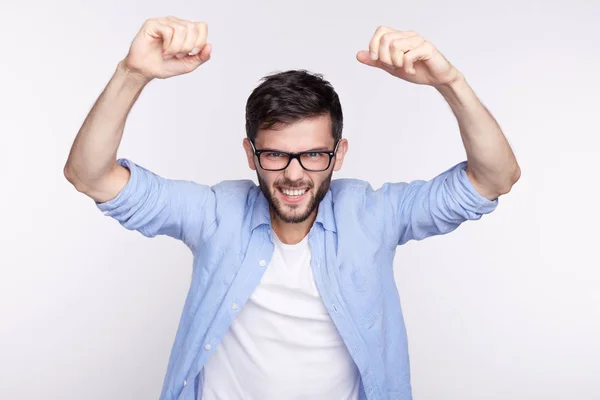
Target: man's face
(294, 193)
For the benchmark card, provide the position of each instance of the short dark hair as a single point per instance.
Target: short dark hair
(291, 96)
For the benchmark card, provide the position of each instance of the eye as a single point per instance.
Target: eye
(273, 154)
(314, 154)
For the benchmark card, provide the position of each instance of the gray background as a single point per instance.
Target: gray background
(503, 308)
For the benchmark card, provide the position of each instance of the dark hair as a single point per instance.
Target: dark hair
(291, 96)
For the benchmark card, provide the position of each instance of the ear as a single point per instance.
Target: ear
(342, 149)
(249, 153)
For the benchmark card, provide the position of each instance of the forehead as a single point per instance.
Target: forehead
(308, 134)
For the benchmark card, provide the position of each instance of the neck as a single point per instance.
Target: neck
(290, 233)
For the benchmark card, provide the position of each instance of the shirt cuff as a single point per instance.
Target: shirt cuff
(469, 197)
(127, 192)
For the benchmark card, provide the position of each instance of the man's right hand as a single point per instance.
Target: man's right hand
(166, 47)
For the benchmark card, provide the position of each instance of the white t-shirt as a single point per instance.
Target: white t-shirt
(283, 344)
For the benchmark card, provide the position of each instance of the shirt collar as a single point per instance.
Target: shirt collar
(262, 216)
(260, 213)
(325, 214)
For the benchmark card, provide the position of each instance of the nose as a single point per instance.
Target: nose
(294, 171)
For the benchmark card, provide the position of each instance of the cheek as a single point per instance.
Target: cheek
(316, 181)
(269, 179)
(322, 179)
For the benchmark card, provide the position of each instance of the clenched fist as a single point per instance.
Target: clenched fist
(166, 47)
(406, 55)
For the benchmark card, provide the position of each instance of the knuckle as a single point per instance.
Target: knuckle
(168, 31)
(191, 27)
(179, 29)
(151, 22)
(202, 27)
(387, 37)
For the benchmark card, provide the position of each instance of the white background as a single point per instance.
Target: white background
(507, 307)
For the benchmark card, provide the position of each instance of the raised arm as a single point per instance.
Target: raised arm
(137, 198)
(491, 165)
(92, 164)
(467, 190)
(163, 48)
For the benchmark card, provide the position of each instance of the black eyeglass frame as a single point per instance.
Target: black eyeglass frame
(292, 156)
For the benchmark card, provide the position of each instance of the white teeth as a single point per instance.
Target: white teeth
(293, 192)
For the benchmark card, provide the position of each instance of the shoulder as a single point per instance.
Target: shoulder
(346, 189)
(362, 192)
(234, 187)
(350, 192)
(235, 190)
(346, 185)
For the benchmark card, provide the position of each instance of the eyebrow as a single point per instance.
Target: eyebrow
(303, 151)
(320, 149)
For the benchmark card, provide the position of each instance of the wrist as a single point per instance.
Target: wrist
(455, 84)
(455, 91)
(132, 78)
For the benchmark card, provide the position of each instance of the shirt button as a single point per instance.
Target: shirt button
(184, 382)
(262, 263)
(234, 306)
(207, 347)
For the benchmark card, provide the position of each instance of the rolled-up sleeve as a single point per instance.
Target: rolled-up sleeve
(153, 205)
(420, 208)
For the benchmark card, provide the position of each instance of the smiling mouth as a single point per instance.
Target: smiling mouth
(292, 196)
(293, 193)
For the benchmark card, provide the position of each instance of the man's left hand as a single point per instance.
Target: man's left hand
(408, 56)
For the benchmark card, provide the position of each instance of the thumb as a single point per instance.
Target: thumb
(204, 55)
(364, 57)
(201, 57)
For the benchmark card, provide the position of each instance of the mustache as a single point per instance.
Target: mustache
(293, 185)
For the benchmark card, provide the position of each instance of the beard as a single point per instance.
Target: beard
(296, 214)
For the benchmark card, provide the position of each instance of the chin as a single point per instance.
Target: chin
(291, 212)
(294, 210)
(293, 217)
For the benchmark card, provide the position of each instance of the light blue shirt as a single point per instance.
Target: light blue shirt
(353, 242)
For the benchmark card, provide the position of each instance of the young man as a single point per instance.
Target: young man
(292, 293)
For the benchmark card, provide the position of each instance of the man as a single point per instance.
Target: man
(292, 293)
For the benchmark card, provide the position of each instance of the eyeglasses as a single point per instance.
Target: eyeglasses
(276, 160)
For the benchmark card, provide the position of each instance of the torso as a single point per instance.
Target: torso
(283, 344)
